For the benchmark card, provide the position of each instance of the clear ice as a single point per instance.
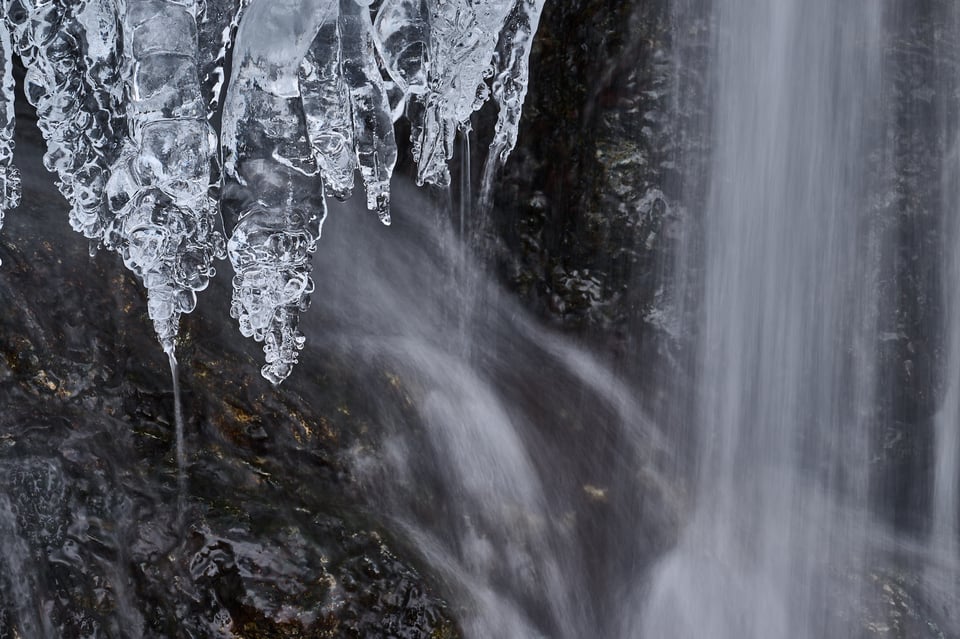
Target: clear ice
(270, 191)
(9, 176)
(163, 221)
(126, 91)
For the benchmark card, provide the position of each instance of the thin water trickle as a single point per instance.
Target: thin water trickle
(181, 454)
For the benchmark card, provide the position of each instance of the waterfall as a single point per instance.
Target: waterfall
(788, 523)
(945, 532)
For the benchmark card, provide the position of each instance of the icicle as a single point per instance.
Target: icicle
(372, 121)
(164, 223)
(270, 168)
(402, 30)
(326, 105)
(124, 90)
(70, 52)
(463, 36)
(510, 86)
(9, 175)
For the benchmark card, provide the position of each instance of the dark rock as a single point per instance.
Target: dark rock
(269, 540)
(582, 204)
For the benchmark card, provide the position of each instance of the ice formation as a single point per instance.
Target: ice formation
(162, 220)
(74, 78)
(269, 167)
(9, 176)
(129, 92)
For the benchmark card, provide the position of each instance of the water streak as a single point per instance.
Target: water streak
(946, 480)
(181, 454)
(788, 321)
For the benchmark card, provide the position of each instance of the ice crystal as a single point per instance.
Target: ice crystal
(329, 125)
(126, 91)
(71, 53)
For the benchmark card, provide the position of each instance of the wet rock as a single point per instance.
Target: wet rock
(899, 605)
(582, 205)
(269, 539)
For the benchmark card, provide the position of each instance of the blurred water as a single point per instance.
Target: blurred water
(535, 482)
(519, 468)
(945, 530)
(784, 537)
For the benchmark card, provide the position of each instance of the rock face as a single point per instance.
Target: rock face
(270, 538)
(605, 189)
(584, 201)
(914, 214)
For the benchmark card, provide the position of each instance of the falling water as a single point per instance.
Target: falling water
(178, 421)
(946, 483)
(505, 464)
(788, 327)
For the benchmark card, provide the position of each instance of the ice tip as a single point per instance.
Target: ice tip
(276, 372)
(382, 207)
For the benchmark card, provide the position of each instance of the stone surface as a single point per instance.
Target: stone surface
(270, 539)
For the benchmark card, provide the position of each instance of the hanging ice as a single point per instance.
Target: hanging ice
(403, 30)
(9, 176)
(326, 101)
(269, 166)
(511, 71)
(163, 222)
(72, 55)
(125, 92)
(372, 124)
(216, 26)
(463, 36)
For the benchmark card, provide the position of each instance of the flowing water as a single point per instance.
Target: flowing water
(181, 451)
(529, 453)
(519, 491)
(787, 366)
(808, 231)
